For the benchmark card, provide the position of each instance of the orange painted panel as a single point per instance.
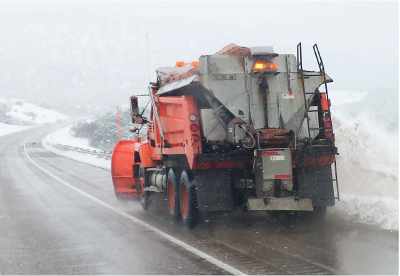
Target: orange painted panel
(145, 156)
(122, 169)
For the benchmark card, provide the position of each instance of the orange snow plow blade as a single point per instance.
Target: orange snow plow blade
(122, 170)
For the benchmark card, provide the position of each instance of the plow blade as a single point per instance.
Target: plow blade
(122, 170)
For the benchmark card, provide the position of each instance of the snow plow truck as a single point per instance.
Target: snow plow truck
(243, 128)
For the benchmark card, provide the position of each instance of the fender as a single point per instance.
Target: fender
(144, 153)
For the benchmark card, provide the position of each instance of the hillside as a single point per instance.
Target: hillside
(16, 115)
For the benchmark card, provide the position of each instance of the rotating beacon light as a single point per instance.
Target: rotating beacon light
(265, 66)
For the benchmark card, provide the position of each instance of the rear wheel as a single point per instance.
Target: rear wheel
(173, 195)
(188, 200)
(143, 183)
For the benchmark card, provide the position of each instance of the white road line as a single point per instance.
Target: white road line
(189, 248)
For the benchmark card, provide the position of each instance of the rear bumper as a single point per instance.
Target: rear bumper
(281, 203)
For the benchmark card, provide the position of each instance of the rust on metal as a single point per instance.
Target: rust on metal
(234, 50)
(273, 137)
(231, 49)
(240, 61)
(181, 76)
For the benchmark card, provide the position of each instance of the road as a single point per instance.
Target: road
(59, 216)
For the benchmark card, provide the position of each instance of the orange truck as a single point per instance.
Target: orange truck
(243, 128)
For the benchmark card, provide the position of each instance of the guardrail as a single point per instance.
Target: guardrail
(99, 153)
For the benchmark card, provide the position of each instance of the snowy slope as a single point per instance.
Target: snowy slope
(7, 129)
(42, 115)
(25, 115)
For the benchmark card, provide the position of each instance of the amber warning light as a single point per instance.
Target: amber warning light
(184, 64)
(265, 66)
(259, 66)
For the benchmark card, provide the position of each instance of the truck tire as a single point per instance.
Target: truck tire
(142, 183)
(188, 201)
(173, 195)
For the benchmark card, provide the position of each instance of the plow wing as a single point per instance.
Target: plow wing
(122, 170)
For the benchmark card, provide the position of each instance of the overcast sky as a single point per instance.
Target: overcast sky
(336, 14)
(358, 41)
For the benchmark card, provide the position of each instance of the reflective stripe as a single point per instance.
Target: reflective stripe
(283, 176)
(270, 153)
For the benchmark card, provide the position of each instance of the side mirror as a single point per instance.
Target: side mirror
(136, 117)
(134, 108)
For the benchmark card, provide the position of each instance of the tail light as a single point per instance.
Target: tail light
(194, 127)
(195, 138)
(328, 124)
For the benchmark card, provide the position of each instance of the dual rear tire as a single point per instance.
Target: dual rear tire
(182, 199)
(143, 178)
(173, 195)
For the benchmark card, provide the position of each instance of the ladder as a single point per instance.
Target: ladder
(326, 114)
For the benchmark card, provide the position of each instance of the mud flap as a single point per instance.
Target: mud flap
(214, 190)
(122, 170)
(321, 191)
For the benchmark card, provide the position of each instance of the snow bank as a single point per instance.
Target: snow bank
(374, 210)
(368, 161)
(63, 137)
(368, 172)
